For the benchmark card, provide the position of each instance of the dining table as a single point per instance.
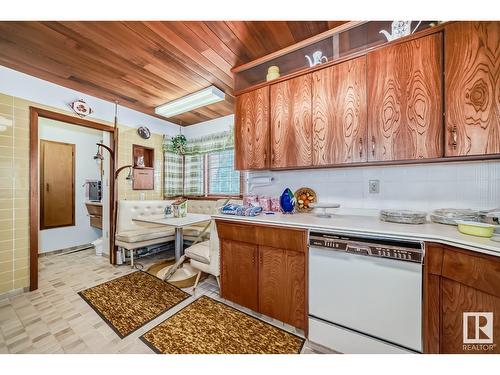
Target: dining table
(178, 271)
(178, 223)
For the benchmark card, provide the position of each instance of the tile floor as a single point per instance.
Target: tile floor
(55, 319)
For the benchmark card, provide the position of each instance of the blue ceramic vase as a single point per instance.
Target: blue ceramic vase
(287, 201)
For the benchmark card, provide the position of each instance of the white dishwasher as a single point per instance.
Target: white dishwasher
(365, 293)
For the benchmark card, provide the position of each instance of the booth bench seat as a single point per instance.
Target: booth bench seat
(132, 235)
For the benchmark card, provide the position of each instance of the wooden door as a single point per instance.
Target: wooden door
(57, 184)
(404, 100)
(339, 113)
(291, 124)
(252, 130)
(472, 86)
(239, 273)
(282, 285)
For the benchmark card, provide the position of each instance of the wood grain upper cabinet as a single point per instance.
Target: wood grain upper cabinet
(291, 125)
(282, 285)
(472, 87)
(339, 113)
(239, 272)
(404, 100)
(252, 130)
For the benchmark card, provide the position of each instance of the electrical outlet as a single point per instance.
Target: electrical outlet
(374, 186)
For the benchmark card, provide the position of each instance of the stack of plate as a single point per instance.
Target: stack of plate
(451, 215)
(403, 216)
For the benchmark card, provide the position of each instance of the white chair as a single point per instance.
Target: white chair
(204, 256)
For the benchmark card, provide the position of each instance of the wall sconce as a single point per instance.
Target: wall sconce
(130, 176)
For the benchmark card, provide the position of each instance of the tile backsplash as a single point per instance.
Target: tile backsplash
(424, 186)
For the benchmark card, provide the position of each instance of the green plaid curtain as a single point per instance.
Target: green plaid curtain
(174, 174)
(185, 177)
(193, 175)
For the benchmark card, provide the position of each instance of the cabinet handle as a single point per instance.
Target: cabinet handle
(47, 188)
(373, 145)
(454, 137)
(360, 147)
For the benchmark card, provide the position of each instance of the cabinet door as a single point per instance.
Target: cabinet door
(143, 179)
(339, 113)
(472, 82)
(282, 285)
(239, 273)
(252, 130)
(291, 126)
(404, 100)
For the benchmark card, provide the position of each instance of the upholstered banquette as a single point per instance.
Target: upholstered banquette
(131, 234)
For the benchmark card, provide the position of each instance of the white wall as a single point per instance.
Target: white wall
(217, 125)
(423, 187)
(86, 167)
(44, 92)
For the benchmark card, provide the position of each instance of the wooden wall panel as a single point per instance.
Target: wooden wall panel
(472, 81)
(291, 124)
(339, 113)
(404, 99)
(252, 130)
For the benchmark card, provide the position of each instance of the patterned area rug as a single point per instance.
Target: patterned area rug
(207, 326)
(128, 302)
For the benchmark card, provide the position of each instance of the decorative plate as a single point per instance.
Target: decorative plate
(303, 197)
(81, 108)
(144, 132)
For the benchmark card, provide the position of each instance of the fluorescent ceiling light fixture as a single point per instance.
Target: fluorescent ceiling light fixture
(189, 102)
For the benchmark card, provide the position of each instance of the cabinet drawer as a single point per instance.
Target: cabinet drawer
(236, 232)
(282, 238)
(96, 221)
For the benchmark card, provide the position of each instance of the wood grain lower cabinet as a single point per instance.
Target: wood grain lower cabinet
(339, 113)
(239, 273)
(404, 100)
(265, 269)
(282, 285)
(252, 130)
(291, 125)
(472, 80)
(457, 282)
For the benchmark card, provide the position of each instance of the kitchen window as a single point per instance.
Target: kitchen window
(205, 170)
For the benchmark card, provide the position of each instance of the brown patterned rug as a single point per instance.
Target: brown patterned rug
(128, 302)
(207, 326)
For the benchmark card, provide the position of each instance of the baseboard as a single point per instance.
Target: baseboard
(66, 250)
(13, 293)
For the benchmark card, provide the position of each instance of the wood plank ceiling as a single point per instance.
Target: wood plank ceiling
(145, 64)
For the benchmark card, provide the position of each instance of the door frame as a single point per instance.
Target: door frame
(34, 204)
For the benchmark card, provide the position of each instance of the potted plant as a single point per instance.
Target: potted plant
(179, 143)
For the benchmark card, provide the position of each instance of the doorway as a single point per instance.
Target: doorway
(46, 155)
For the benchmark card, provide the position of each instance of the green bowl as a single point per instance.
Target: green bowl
(475, 228)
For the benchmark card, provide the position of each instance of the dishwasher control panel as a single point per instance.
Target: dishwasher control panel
(377, 247)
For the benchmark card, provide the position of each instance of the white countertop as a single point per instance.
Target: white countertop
(371, 225)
